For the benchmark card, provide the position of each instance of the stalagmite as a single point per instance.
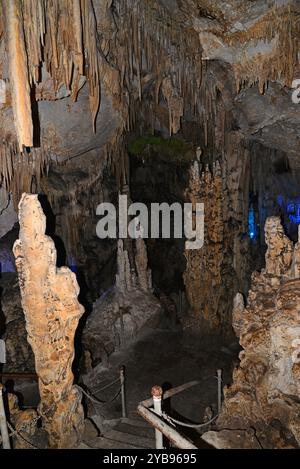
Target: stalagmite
(264, 395)
(141, 261)
(125, 309)
(125, 279)
(202, 276)
(52, 311)
(18, 73)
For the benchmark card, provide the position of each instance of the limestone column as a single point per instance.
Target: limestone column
(52, 311)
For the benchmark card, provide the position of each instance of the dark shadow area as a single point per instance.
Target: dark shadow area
(35, 119)
(10, 388)
(83, 295)
(7, 269)
(190, 433)
(50, 230)
(167, 402)
(2, 318)
(161, 179)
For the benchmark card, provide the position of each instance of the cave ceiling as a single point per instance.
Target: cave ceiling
(90, 70)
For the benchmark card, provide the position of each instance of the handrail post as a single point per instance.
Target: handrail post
(3, 423)
(123, 394)
(219, 377)
(157, 393)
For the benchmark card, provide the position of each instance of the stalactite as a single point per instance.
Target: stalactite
(62, 37)
(18, 170)
(72, 207)
(281, 27)
(175, 105)
(90, 41)
(34, 19)
(79, 57)
(18, 73)
(155, 43)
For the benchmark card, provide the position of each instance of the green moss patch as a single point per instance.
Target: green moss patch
(171, 149)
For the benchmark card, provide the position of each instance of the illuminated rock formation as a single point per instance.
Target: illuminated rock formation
(202, 277)
(265, 392)
(52, 311)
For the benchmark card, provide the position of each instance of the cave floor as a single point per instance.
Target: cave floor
(167, 358)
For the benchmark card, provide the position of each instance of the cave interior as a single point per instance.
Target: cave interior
(159, 103)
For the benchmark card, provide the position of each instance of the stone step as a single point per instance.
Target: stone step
(132, 429)
(136, 420)
(123, 440)
(83, 446)
(107, 443)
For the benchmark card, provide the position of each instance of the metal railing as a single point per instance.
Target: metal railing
(121, 391)
(4, 423)
(165, 425)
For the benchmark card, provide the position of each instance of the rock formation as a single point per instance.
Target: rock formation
(203, 277)
(52, 311)
(19, 356)
(24, 421)
(123, 311)
(264, 395)
(18, 73)
(8, 216)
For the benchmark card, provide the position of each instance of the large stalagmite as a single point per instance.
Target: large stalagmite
(52, 311)
(264, 396)
(202, 277)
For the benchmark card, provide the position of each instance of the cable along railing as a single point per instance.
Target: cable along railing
(165, 425)
(151, 410)
(6, 426)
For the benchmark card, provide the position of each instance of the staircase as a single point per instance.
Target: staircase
(125, 433)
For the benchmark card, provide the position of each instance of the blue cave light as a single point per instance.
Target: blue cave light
(293, 211)
(72, 264)
(251, 223)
